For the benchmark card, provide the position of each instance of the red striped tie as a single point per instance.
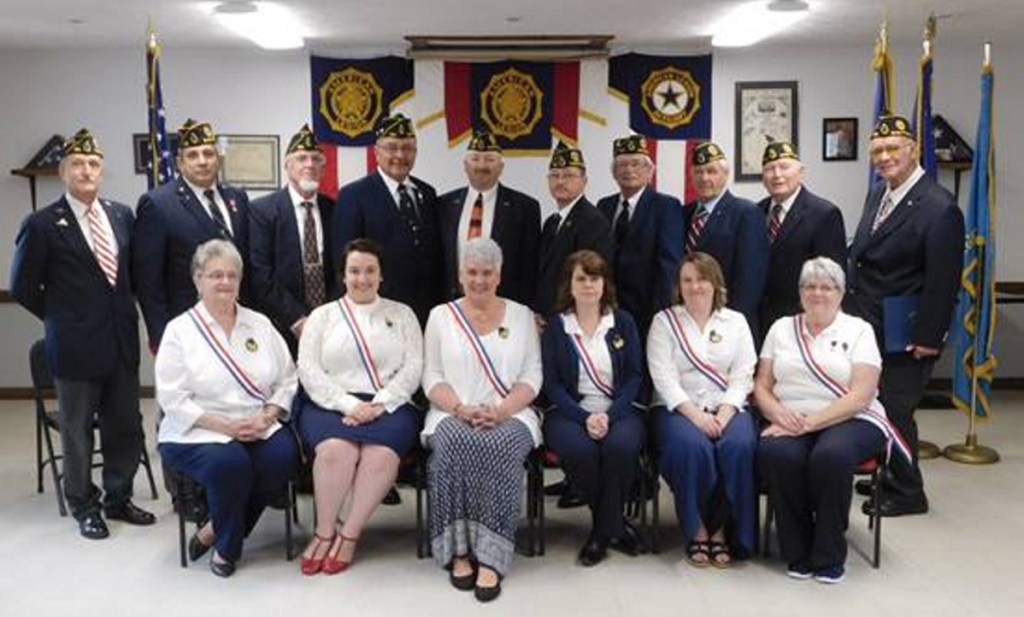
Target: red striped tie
(101, 245)
(775, 222)
(476, 217)
(699, 218)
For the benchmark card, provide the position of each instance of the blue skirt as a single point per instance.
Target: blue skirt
(397, 430)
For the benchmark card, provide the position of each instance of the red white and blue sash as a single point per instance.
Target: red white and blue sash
(589, 367)
(369, 365)
(224, 355)
(478, 349)
(872, 413)
(703, 367)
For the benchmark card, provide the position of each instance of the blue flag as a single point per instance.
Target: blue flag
(349, 97)
(160, 164)
(924, 127)
(669, 96)
(975, 320)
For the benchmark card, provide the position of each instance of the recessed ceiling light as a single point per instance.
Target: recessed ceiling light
(514, 19)
(784, 6)
(268, 24)
(754, 21)
(76, 21)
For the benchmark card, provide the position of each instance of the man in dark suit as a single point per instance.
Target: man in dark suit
(175, 218)
(801, 225)
(490, 209)
(399, 213)
(577, 225)
(730, 229)
(909, 243)
(647, 227)
(71, 269)
(290, 242)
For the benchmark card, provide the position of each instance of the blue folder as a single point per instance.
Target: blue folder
(898, 316)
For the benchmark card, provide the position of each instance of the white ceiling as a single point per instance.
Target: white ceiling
(376, 25)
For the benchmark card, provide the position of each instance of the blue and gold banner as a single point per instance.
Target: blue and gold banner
(669, 96)
(350, 96)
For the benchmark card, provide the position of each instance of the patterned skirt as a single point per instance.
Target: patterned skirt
(475, 490)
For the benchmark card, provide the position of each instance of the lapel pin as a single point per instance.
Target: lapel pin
(715, 337)
(503, 332)
(617, 342)
(62, 222)
(251, 346)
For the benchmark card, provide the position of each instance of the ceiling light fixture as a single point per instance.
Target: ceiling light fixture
(755, 21)
(269, 25)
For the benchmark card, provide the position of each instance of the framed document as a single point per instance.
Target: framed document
(250, 161)
(763, 109)
(839, 139)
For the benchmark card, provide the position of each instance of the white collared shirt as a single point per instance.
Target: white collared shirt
(710, 204)
(200, 194)
(563, 213)
(786, 204)
(632, 201)
(490, 201)
(300, 218)
(410, 188)
(897, 194)
(594, 400)
(80, 209)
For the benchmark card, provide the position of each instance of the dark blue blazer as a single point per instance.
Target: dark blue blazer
(647, 264)
(918, 250)
(516, 229)
(561, 368)
(91, 328)
(170, 223)
(586, 228)
(277, 280)
(813, 227)
(412, 274)
(735, 234)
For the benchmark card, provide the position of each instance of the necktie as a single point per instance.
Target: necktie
(476, 217)
(312, 266)
(622, 224)
(700, 217)
(407, 210)
(101, 246)
(884, 210)
(216, 214)
(775, 222)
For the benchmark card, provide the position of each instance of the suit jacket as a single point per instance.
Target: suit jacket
(413, 273)
(276, 275)
(735, 234)
(170, 223)
(813, 227)
(562, 368)
(91, 329)
(516, 229)
(585, 228)
(647, 264)
(917, 250)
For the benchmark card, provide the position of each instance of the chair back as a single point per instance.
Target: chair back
(42, 380)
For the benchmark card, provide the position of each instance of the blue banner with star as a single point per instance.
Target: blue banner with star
(669, 96)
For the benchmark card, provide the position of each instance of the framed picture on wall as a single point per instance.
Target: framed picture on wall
(764, 109)
(251, 162)
(140, 146)
(839, 139)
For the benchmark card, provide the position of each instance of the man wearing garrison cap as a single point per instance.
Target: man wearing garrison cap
(575, 226)
(646, 227)
(801, 225)
(490, 209)
(399, 213)
(290, 242)
(730, 229)
(175, 218)
(71, 270)
(904, 267)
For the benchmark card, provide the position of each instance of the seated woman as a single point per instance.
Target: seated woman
(592, 376)
(360, 361)
(482, 371)
(701, 358)
(817, 384)
(224, 379)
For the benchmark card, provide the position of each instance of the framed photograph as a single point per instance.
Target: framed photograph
(763, 109)
(142, 156)
(839, 139)
(250, 162)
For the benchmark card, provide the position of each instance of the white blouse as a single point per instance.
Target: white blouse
(514, 348)
(725, 343)
(191, 380)
(330, 366)
(593, 401)
(847, 341)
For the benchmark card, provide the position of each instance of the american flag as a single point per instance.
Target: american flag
(159, 166)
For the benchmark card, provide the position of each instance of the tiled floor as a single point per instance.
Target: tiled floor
(960, 559)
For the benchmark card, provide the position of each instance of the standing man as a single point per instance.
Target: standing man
(490, 209)
(577, 225)
(801, 226)
(71, 270)
(290, 242)
(646, 228)
(175, 218)
(904, 269)
(730, 229)
(399, 213)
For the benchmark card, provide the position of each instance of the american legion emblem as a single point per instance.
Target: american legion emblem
(510, 104)
(671, 97)
(351, 101)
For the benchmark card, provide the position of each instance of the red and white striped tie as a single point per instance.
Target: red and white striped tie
(101, 246)
(696, 226)
(775, 222)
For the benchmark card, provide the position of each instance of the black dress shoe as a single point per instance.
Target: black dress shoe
(631, 543)
(593, 552)
(486, 594)
(864, 487)
(196, 548)
(571, 499)
(92, 526)
(557, 489)
(392, 498)
(223, 569)
(130, 513)
(897, 506)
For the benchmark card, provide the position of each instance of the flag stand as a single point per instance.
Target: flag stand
(927, 450)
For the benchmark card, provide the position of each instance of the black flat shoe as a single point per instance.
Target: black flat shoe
(864, 488)
(593, 552)
(487, 594)
(223, 569)
(465, 582)
(196, 548)
(571, 499)
(897, 507)
(130, 513)
(92, 526)
(392, 498)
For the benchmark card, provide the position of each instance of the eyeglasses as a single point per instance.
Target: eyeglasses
(628, 164)
(220, 275)
(813, 287)
(890, 149)
(394, 149)
(556, 176)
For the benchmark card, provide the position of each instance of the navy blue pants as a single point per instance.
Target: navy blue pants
(810, 482)
(603, 470)
(240, 479)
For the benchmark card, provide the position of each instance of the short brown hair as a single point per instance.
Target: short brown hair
(593, 264)
(359, 245)
(709, 270)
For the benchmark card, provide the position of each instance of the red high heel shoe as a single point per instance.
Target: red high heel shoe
(333, 565)
(313, 564)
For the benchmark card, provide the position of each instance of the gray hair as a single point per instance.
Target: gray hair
(212, 249)
(647, 159)
(481, 250)
(823, 269)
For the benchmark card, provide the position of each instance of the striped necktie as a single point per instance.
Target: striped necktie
(312, 265)
(476, 218)
(700, 217)
(884, 210)
(775, 222)
(101, 246)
